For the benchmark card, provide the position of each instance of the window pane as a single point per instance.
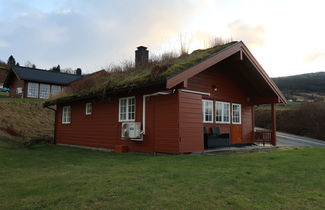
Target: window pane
(236, 113)
(222, 112)
(207, 107)
(44, 91)
(32, 90)
(66, 114)
(127, 109)
(55, 89)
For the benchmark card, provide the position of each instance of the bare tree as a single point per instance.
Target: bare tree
(184, 45)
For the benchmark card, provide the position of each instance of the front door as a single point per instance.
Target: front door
(236, 134)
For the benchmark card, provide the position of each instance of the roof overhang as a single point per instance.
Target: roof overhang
(244, 53)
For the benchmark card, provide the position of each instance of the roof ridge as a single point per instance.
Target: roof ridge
(231, 44)
(45, 70)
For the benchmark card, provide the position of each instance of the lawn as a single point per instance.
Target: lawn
(56, 177)
(4, 94)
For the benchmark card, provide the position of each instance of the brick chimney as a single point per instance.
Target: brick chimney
(141, 56)
(78, 71)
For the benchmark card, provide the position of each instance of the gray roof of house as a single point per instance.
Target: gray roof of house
(44, 76)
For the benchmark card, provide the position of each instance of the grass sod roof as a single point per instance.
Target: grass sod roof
(156, 72)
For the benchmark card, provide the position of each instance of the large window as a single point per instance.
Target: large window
(127, 109)
(207, 107)
(236, 113)
(89, 108)
(66, 115)
(222, 112)
(32, 90)
(44, 91)
(55, 89)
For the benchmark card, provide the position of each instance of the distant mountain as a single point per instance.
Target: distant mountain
(303, 83)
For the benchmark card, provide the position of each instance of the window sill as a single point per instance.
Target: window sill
(126, 120)
(222, 122)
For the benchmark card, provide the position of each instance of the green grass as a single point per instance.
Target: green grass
(4, 94)
(54, 177)
(131, 76)
(27, 117)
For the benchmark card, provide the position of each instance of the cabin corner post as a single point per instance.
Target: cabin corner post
(273, 137)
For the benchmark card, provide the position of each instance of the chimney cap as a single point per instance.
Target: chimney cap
(141, 48)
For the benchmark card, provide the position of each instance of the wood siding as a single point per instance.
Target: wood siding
(163, 112)
(190, 122)
(102, 128)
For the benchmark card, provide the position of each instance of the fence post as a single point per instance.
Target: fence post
(273, 136)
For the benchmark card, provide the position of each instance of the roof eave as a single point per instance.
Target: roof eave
(100, 93)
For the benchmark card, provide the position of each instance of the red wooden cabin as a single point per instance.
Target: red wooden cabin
(219, 91)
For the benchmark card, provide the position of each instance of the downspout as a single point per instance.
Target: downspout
(143, 132)
(55, 121)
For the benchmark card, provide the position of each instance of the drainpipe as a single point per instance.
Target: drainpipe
(55, 121)
(143, 132)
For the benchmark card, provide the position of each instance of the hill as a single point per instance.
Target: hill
(312, 82)
(25, 118)
(307, 86)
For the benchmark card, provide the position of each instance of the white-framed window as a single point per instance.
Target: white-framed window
(222, 110)
(32, 90)
(55, 89)
(44, 91)
(127, 109)
(19, 90)
(66, 115)
(89, 108)
(236, 113)
(207, 108)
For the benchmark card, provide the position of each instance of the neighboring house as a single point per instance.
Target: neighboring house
(25, 82)
(168, 113)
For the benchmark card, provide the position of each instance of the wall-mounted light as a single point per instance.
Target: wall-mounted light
(214, 88)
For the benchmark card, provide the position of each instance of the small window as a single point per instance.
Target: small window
(127, 109)
(32, 90)
(89, 108)
(66, 115)
(55, 89)
(236, 113)
(207, 108)
(44, 91)
(19, 90)
(222, 112)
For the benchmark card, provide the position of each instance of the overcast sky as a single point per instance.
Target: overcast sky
(286, 36)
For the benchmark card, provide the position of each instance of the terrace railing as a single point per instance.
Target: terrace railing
(263, 137)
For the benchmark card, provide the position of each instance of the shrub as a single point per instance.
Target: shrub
(306, 120)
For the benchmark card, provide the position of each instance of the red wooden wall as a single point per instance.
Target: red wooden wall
(102, 129)
(190, 122)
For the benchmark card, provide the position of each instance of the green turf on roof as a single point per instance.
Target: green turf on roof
(133, 77)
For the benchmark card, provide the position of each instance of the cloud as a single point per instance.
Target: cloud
(3, 44)
(87, 35)
(252, 35)
(316, 55)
